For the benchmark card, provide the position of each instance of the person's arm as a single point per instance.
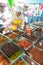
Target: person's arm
(24, 25)
(24, 22)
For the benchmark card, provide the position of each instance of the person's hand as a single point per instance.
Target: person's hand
(15, 25)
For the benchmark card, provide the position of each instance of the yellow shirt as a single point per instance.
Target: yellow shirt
(17, 21)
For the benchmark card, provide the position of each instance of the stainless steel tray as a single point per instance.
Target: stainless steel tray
(12, 38)
(20, 32)
(5, 56)
(39, 44)
(20, 39)
(28, 51)
(8, 39)
(11, 61)
(18, 60)
(31, 61)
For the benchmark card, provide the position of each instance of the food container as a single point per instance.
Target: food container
(36, 34)
(12, 35)
(37, 54)
(20, 62)
(39, 43)
(11, 50)
(32, 38)
(40, 29)
(3, 39)
(4, 60)
(30, 29)
(20, 32)
(29, 60)
(24, 43)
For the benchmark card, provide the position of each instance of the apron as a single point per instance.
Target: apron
(18, 22)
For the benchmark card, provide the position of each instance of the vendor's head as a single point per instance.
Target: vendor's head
(18, 10)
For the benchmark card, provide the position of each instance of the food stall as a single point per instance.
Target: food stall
(22, 46)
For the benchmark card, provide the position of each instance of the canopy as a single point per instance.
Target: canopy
(25, 1)
(34, 1)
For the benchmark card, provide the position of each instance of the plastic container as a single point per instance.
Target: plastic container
(37, 54)
(11, 50)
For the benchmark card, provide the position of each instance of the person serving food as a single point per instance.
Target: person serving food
(19, 19)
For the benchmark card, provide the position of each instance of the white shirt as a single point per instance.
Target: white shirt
(23, 20)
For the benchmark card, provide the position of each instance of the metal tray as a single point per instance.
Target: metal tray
(14, 34)
(39, 44)
(19, 60)
(8, 39)
(33, 29)
(32, 38)
(21, 51)
(40, 30)
(1, 53)
(36, 34)
(29, 60)
(19, 32)
(20, 39)
(35, 53)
